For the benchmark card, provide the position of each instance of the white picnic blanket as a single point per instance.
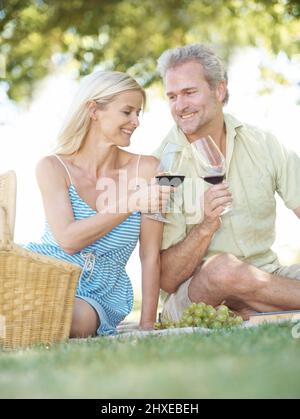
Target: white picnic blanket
(131, 329)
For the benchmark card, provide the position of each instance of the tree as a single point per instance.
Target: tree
(38, 37)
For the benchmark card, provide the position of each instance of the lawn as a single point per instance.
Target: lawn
(256, 362)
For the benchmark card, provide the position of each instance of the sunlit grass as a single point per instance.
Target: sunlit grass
(258, 362)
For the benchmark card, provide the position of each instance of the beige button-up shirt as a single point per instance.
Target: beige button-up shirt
(257, 166)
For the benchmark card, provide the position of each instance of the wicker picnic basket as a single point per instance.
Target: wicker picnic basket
(36, 292)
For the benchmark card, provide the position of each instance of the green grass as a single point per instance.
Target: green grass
(257, 362)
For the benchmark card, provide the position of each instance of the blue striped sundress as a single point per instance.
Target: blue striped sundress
(103, 283)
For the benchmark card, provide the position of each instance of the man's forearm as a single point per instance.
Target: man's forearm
(180, 261)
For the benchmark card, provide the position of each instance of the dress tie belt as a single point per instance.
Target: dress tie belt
(90, 258)
(89, 263)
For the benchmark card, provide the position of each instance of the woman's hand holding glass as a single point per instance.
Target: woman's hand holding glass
(150, 199)
(169, 174)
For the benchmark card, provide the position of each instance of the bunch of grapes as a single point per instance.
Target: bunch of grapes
(203, 315)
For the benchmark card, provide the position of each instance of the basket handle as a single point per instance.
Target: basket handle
(5, 234)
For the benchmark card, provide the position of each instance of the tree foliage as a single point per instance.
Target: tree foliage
(38, 37)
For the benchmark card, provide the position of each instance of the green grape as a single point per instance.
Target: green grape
(210, 312)
(190, 320)
(230, 322)
(190, 310)
(203, 315)
(222, 318)
(206, 322)
(199, 322)
(237, 321)
(223, 310)
(200, 312)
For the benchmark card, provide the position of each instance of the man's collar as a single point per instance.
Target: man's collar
(231, 125)
(176, 136)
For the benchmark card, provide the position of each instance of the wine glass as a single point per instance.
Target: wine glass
(209, 159)
(168, 173)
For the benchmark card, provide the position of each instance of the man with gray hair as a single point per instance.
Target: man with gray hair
(215, 258)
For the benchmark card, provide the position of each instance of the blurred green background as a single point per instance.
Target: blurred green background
(38, 37)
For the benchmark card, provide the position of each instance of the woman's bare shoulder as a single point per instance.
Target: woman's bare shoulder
(149, 165)
(48, 168)
(46, 163)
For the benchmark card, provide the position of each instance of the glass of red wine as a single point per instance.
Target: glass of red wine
(168, 173)
(210, 161)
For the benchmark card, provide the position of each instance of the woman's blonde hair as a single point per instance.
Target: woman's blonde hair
(101, 87)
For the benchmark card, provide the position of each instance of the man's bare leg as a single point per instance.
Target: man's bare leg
(200, 290)
(224, 277)
(270, 290)
(240, 308)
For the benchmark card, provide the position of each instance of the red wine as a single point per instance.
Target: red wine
(214, 180)
(170, 180)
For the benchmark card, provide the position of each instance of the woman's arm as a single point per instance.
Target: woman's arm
(71, 235)
(150, 242)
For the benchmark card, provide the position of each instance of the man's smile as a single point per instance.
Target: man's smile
(187, 115)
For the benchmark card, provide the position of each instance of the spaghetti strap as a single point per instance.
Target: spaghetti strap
(59, 159)
(137, 186)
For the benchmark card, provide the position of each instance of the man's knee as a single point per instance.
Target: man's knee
(221, 271)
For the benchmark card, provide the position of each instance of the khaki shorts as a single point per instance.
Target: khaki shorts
(176, 303)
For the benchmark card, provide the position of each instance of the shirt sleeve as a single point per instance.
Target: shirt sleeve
(175, 231)
(287, 173)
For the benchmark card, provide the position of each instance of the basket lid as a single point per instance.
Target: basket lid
(8, 191)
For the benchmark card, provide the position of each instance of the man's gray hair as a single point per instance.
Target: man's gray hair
(213, 67)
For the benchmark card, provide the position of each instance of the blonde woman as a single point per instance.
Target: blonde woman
(102, 118)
